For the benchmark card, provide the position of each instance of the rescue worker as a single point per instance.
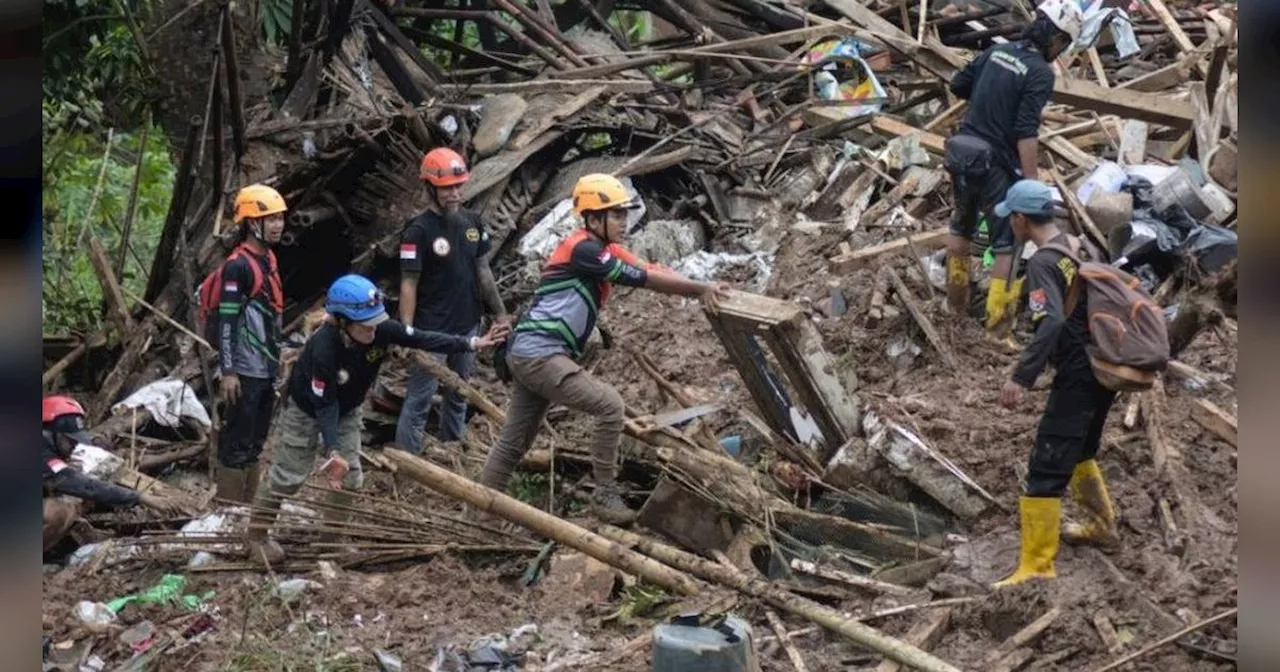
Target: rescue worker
(68, 492)
(444, 274)
(248, 331)
(325, 391)
(549, 339)
(1007, 87)
(1070, 431)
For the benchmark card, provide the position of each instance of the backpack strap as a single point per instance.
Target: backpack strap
(1073, 291)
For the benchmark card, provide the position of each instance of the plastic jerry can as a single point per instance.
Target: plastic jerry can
(691, 642)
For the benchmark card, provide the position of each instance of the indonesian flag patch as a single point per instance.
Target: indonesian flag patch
(408, 251)
(57, 465)
(230, 286)
(317, 387)
(605, 256)
(1036, 300)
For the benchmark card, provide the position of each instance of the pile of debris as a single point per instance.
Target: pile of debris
(749, 121)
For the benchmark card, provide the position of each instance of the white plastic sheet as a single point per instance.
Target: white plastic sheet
(168, 401)
(1095, 17)
(94, 461)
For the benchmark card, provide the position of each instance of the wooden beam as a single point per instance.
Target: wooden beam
(1179, 36)
(930, 333)
(116, 306)
(930, 141)
(1123, 102)
(852, 261)
(924, 633)
(1208, 415)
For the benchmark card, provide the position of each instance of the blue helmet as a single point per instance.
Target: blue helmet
(357, 299)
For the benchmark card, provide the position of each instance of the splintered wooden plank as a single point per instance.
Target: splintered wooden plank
(568, 109)
(913, 306)
(811, 371)
(930, 141)
(924, 242)
(1214, 419)
(752, 309)
(498, 167)
(736, 344)
(1128, 104)
(925, 634)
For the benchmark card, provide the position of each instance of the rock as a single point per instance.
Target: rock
(664, 241)
(498, 118)
(290, 589)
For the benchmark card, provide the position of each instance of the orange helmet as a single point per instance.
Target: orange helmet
(443, 167)
(258, 200)
(598, 191)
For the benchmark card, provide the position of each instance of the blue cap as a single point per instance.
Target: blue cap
(1029, 197)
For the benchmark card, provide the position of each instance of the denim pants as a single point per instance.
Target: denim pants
(419, 389)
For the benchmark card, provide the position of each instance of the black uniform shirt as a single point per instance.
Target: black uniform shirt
(1058, 339)
(445, 251)
(1007, 87)
(333, 374)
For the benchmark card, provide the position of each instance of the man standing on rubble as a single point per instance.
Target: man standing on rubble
(550, 337)
(1007, 87)
(67, 490)
(249, 305)
(444, 273)
(326, 389)
(1070, 430)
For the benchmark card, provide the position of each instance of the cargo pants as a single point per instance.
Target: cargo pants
(536, 384)
(1070, 430)
(296, 447)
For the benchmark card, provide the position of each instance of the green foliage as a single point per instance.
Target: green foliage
(276, 16)
(94, 73)
(636, 25)
(445, 29)
(72, 298)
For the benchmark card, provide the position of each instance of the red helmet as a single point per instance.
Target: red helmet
(443, 167)
(64, 415)
(59, 405)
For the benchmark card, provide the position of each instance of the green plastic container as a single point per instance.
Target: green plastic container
(721, 645)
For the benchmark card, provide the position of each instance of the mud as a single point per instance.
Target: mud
(1139, 586)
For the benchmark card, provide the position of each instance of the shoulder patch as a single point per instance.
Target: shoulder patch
(317, 387)
(1036, 300)
(56, 464)
(408, 251)
(605, 256)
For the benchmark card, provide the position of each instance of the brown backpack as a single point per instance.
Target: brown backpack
(1129, 337)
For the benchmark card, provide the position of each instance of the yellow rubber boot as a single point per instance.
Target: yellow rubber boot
(1089, 490)
(958, 283)
(1040, 517)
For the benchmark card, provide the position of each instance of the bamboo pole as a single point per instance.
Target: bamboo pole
(562, 531)
(825, 616)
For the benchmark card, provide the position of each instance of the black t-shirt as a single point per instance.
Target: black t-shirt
(445, 251)
(333, 372)
(1007, 87)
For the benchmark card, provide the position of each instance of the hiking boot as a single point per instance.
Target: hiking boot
(1040, 517)
(1089, 490)
(607, 505)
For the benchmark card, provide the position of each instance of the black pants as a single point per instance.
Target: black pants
(978, 183)
(245, 428)
(1070, 430)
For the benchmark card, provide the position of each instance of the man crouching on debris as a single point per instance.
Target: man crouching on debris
(1070, 430)
(549, 339)
(1007, 87)
(325, 390)
(67, 491)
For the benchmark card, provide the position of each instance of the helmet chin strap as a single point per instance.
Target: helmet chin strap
(256, 228)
